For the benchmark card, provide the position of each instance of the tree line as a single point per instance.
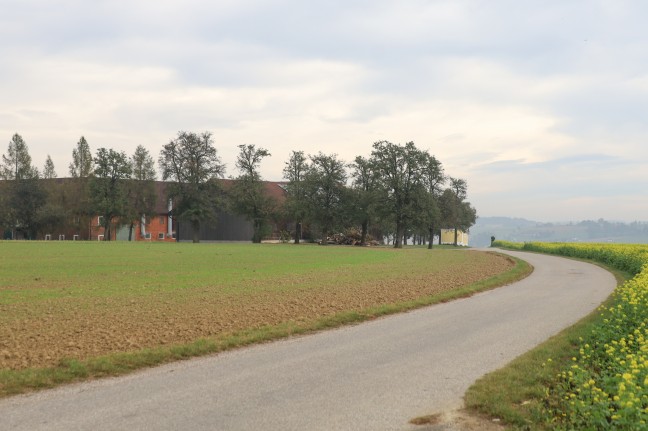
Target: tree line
(397, 192)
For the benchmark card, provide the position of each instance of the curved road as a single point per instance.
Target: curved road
(373, 376)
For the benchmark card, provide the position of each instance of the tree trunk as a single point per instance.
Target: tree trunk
(325, 231)
(398, 239)
(298, 232)
(256, 236)
(455, 238)
(431, 233)
(106, 227)
(195, 231)
(130, 231)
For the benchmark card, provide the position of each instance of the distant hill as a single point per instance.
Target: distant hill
(521, 230)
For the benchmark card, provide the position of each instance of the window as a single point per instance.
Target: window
(161, 235)
(75, 238)
(147, 235)
(100, 220)
(61, 237)
(162, 220)
(48, 237)
(100, 237)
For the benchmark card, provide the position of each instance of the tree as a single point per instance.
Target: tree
(467, 217)
(365, 199)
(247, 195)
(81, 166)
(48, 170)
(6, 219)
(27, 199)
(16, 164)
(399, 170)
(456, 212)
(192, 163)
(460, 189)
(296, 205)
(143, 165)
(142, 188)
(326, 192)
(58, 215)
(51, 216)
(25, 193)
(109, 197)
(448, 208)
(433, 179)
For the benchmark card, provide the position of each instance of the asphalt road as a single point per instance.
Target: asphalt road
(373, 376)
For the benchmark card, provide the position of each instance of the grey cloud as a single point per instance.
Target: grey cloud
(576, 177)
(412, 53)
(581, 160)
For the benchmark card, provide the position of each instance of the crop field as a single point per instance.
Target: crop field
(61, 303)
(603, 383)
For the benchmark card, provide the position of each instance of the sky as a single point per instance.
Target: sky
(541, 106)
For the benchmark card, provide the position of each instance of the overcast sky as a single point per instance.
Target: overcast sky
(542, 106)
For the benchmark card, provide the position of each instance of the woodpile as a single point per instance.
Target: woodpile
(351, 237)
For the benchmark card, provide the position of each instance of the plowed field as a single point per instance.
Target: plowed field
(81, 300)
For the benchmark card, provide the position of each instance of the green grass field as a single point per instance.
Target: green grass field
(36, 271)
(76, 310)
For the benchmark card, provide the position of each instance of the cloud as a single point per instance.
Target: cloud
(536, 105)
(567, 188)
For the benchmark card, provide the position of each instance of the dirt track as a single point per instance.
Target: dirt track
(41, 334)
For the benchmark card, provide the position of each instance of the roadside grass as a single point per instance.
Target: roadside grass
(516, 393)
(41, 277)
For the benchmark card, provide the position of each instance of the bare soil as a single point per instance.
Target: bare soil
(456, 420)
(40, 334)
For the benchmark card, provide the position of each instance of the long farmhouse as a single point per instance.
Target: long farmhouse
(77, 223)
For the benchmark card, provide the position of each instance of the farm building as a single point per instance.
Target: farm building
(69, 201)
(162, 226)
(233, 227)
(448, 237)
